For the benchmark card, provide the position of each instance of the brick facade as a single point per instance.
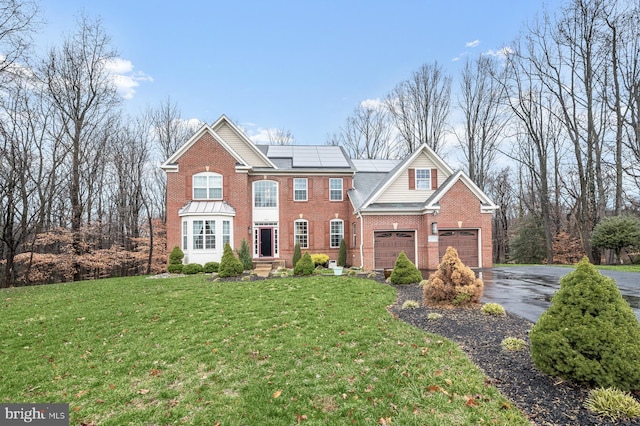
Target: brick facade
(458, 208)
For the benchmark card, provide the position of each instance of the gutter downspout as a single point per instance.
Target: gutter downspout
(361, 240)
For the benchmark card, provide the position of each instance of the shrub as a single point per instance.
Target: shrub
(176, 256)
(453, 282)
(513, 344)
(304, 266)
(244, 254)
(192, 268)
(211, 267)
(319, 259)
(616, 233)
(528, 244)
(404, 271)
(493, 309)
(410, 304)
(612, 403)
(589, 334)
(342, 253)
(175, 268)
(297, 254)
(230, 265)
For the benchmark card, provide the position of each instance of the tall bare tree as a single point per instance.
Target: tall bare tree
(18, 21)
(485, 118)
(171, 131)
(280, 137)
(367, 133)
(81, 88)
(419, 107)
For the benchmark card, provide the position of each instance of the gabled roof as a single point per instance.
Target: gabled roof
(171, 164)
(392, 175)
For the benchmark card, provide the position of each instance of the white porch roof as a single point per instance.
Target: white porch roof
(220, 208)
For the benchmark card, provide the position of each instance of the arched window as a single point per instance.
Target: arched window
(207, 186)
(265, 193)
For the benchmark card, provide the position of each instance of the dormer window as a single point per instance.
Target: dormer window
(207, 186)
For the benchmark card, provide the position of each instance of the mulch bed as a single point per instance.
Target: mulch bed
(543, 399)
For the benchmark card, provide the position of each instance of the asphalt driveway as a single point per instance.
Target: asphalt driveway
(527, 290)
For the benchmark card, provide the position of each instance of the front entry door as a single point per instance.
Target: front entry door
(266, 242)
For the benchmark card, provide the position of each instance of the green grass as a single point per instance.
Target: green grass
(315, 350)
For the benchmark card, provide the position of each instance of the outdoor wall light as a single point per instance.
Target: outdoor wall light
(434, 228)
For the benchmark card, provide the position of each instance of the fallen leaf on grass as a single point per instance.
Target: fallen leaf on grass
(471, 402)
(277, 393)
(143, 391)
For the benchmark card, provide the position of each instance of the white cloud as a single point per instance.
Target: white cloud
(473, 43)
(500, 53)
(125, 79)
(372, 104)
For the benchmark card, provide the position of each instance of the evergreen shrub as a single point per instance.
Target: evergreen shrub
(230, 265)
(404, 271)
(342, 254)
(244, 254)
(192, 268)
(175, 260)
(211, 267)
(297, 254)
(589, 334)
(304, 266)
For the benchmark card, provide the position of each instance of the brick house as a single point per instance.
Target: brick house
(221, 187)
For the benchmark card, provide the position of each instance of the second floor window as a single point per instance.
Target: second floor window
(335, 189)
(300, 189)
(265, 193)
(207, 186)
(423, 178)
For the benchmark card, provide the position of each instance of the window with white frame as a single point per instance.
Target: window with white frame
(185, 234)
(265, 193)
(207, 186)
(335, 189)
(423, 178)
(226, 232)
(300, 189)
(204, 234)
(301, 233)
(336, 232)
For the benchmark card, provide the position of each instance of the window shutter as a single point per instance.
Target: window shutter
(309, 188)
(310, 236)
(189, 187)
(412, 178)
(291, 186)
(434, 178)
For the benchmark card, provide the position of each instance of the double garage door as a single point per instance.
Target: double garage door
(389, 244)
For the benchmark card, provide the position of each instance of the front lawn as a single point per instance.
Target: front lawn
(316, 350)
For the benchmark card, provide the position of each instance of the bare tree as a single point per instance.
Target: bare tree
(18, 21)
(81, 89)
(419, 107)
(484, 115)
(280, 137)
(170, 129)
(367, 133)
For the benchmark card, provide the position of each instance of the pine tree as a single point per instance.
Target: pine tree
(404, 271)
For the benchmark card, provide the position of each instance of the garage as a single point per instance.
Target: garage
(389, 244)
(463, 240)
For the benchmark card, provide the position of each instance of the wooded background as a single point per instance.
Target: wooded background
(549, 128)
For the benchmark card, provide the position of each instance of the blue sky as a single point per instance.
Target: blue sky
(301, 66)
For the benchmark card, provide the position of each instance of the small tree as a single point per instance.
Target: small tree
(342, 254)
(404, 271)
(244, 254)
(617, 233)
(297, 254)
(304, 266)
(175, 260)
(589, 334)
(230, 265)
(528, 244)
(453, 282)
